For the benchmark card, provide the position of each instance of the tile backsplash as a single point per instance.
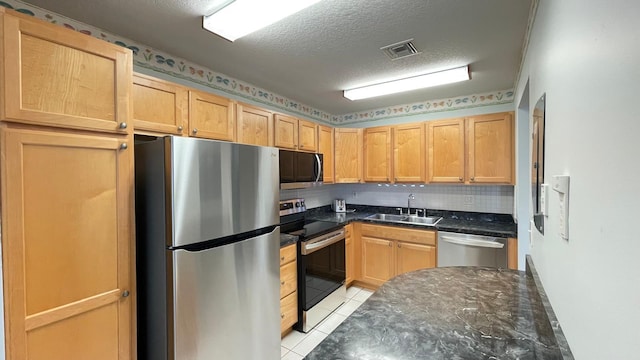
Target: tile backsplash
(490, 198)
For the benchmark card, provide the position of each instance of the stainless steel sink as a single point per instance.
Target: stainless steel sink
(429, 220)
(406, 219)
(387, 217)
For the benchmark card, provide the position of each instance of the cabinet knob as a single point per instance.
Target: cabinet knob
(282, 258)
(396, 179)
(195, 131)
(473, 178)
(122, 125)
(301, 146)
(281, 282)
(460, 178)
(281, 316)
(398, 244)
(124, 146)
(125, 293)
(390, 244)
(180, 128)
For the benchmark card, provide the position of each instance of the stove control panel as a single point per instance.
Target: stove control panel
(292, 206)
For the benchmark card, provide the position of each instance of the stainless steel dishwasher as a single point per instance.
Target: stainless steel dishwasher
(457, 249)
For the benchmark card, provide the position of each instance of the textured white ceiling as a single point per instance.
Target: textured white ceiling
(315, 54)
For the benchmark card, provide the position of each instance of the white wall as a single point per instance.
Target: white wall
(585, 55)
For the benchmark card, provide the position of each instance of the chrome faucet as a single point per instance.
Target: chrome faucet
(411, 197)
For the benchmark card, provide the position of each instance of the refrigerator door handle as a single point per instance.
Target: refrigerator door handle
(473, 242)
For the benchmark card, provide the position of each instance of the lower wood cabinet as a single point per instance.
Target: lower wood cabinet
(288, 288)
(388, 251)
(288, 311)
(349, 254)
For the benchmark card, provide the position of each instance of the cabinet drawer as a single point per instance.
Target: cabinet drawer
(287, 254)
(288, 311)
(288, 278)
(426, 237)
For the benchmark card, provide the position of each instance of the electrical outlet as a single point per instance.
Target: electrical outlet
(468, 200)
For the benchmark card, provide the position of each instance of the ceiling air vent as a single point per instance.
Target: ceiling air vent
(400, 50)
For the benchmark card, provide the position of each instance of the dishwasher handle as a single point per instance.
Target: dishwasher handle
(472, 242)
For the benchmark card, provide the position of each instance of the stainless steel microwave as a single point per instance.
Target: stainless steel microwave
(300, 169)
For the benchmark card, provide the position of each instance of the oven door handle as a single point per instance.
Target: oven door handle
(310, 247)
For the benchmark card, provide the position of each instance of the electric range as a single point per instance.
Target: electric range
(321, 263)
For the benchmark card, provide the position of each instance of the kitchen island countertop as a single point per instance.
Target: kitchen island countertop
(451, 313)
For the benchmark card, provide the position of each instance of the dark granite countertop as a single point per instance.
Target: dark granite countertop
(500, 225)
(450, 313)
(286, 239)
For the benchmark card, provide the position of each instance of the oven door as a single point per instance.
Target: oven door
(321, 267)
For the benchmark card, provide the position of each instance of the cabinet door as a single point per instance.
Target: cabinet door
(255, 126)
(288, 311)
(286, 132)
(66, 213)
(159, 106)
(446, 151)
(348, 155)
(58, 77)
(211, 116)
(288, 279)
(491, 148)
(325, 147)
(378, 263)
(412, 257)
(377, 154)
(409, 153)
(349, 253)
(307, 136)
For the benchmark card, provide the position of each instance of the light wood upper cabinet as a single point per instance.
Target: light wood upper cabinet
(67, 235)
(307, 136)
(286, 129)
(59, 77)
(377, 154)
(211, 116)
(255, 125)
(409, 153)
(325, 147)
(295, 134)
(490, 141)
(348, 155)
(159, 106)
(446, 151)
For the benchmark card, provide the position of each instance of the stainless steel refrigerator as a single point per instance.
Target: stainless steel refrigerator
(207, 245)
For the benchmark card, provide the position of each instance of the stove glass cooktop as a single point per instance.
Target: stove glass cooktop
(314, 228)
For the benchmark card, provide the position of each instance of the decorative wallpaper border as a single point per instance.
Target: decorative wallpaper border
(156, 60)
(428, 106)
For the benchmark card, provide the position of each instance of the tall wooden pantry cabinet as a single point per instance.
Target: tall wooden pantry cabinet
(66, 179)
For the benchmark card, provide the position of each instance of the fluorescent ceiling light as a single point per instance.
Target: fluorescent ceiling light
(237, 18)
(407, 84)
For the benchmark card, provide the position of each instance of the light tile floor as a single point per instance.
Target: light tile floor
(296, 345)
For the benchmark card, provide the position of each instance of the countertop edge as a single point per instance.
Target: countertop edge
(561, 340)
